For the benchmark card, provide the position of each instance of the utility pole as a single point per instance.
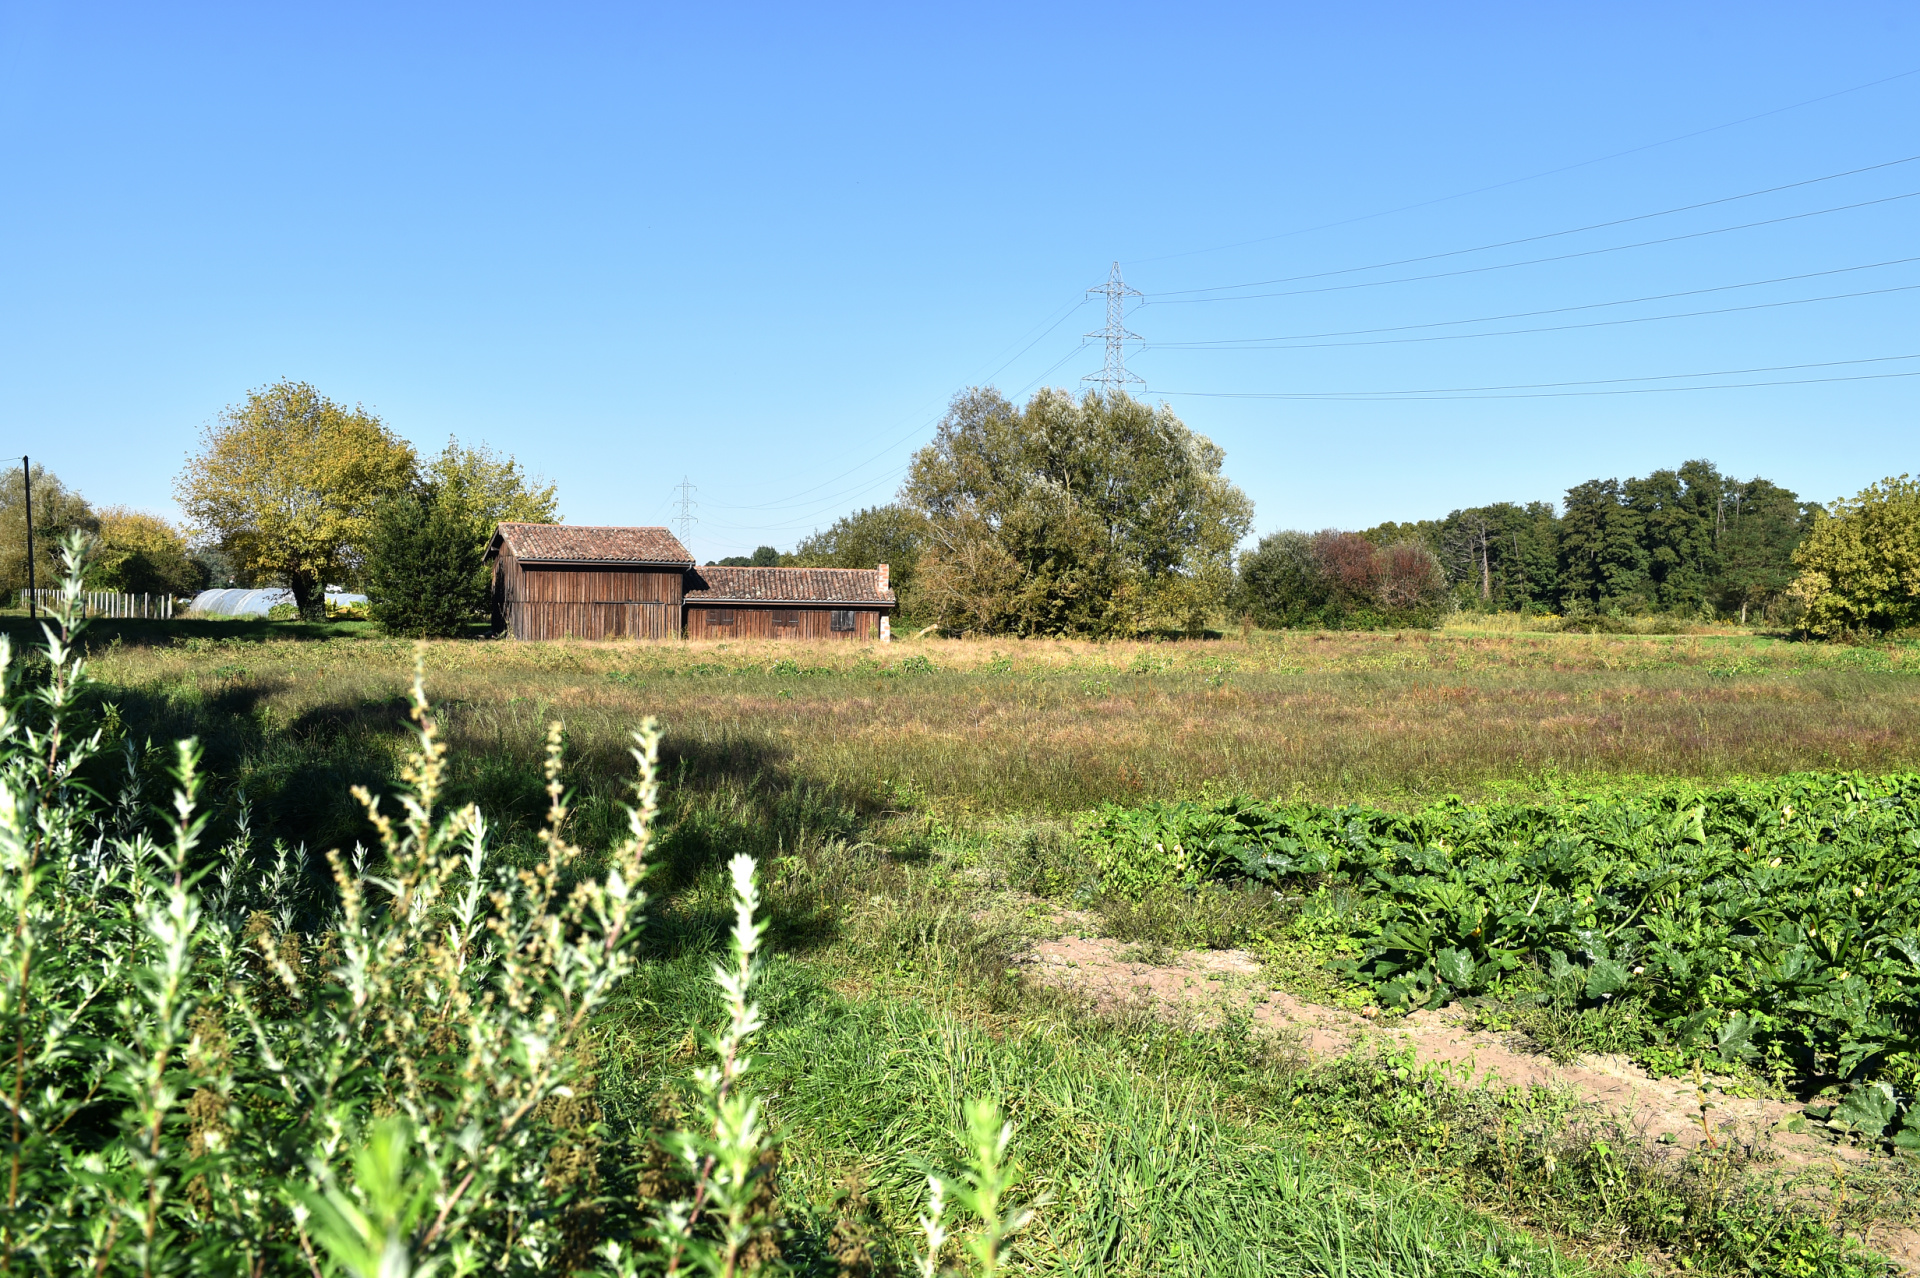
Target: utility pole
(26, 477)
(1113, 376)
(686, 518)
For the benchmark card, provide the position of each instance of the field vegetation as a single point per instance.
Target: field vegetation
(918, 811)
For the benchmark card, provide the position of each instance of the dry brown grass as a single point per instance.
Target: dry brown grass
(1057, 725)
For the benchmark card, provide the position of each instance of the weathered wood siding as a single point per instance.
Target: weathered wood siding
(559, 602)
(757, 621)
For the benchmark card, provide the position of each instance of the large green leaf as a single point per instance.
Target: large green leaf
(1456, 968)
(1606, 978)
(1868, 1108)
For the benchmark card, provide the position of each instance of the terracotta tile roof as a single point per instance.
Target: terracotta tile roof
(587, 544)
(788, 585)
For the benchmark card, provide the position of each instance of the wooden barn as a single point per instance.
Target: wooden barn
(568, 581)
(562, 581)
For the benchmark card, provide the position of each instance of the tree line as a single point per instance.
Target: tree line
(1099, 516)
(1104, 516)
(1687, 541)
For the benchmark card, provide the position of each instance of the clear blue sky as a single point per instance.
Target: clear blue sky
(761, 247)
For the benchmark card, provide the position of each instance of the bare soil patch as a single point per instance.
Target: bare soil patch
(1671, 1115)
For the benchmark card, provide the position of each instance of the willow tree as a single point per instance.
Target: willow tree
(287, 483)
(1101, 515)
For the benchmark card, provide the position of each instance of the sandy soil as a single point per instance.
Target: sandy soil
(1671, 1114)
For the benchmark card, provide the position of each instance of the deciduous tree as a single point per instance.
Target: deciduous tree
(762, 557)
(1860, 562)
(1340, 580)
(57, 510)
(1602, 561)
(287, 482)
(484, 488)
(1761, 526)
(143, 554)
(893, 535)
(1101, 515)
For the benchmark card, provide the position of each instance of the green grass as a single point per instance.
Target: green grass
(909, 806)
(1140, 1170)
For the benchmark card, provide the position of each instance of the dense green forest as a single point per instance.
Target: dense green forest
(1675, 541)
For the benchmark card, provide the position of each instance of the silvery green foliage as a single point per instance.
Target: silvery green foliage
(213, 1067)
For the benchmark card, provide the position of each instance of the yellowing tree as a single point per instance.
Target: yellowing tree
(486, 489)
(1860, 562)
(143, 554)
(287, 482)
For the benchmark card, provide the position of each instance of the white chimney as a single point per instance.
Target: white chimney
(883, 576)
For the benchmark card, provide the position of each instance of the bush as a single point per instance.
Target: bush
(425, 572)
(1341, 581)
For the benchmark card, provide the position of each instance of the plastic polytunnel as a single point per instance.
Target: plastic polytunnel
(257, 603)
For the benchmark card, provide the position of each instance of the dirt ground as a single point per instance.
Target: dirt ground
(1671, 1114)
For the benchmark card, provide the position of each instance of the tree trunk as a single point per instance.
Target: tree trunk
(309, 596)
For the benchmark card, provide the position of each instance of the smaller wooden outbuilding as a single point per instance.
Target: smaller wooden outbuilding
(789, 603)
(563, 581)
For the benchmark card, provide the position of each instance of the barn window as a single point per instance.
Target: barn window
(719, 616)
(786, 616)
(842, 619)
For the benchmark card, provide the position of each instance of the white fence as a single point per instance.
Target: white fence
(103, 603)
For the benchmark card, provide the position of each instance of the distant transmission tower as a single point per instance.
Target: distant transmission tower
(686, 519)
(1114, 376)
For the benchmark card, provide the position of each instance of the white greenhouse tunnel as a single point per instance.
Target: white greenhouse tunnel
(258, 603)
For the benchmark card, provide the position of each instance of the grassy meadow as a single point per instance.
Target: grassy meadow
(910, 805)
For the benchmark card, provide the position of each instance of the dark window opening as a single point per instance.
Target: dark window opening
(842, 619)
(786, 616)
(719, 616)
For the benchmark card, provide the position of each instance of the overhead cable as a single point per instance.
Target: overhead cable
(1532, 239)
(1537, 390)
(1534, 261)
(1550, 328)
(1230, 342)
(1533, 177)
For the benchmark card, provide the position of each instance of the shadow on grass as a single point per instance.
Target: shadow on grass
(149, 633)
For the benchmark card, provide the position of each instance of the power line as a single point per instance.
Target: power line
(1534, 177)
(1060, 318)
(1050, 369)
(1229, 342)
(1113, 375)
(1534, 239)
(1566, 328)
(1557, 389)
(1532, 261)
